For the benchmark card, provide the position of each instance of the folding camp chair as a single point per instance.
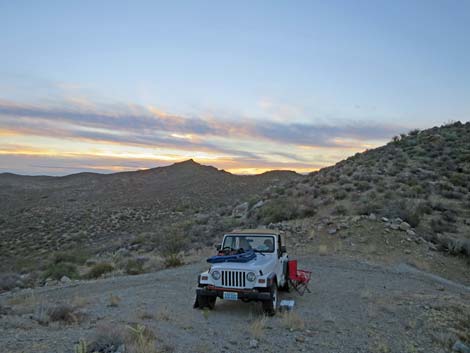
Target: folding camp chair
(298, 278)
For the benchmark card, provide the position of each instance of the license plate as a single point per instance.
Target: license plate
(231, 295)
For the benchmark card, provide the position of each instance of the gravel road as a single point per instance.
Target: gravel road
(354, 307)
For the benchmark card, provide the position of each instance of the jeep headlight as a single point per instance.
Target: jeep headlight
(251, 276)
(215, 275)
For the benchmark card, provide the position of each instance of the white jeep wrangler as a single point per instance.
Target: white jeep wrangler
(252, 265)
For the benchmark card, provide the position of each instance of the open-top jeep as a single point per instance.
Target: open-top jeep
(251, 265)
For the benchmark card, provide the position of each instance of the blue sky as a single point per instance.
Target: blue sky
(314, 81)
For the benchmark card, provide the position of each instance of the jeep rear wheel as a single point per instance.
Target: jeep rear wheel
(270, 306)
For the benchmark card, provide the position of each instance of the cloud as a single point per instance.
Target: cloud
(142, 123)
(117, 134)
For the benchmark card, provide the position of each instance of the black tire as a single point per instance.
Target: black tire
(270, 306)
(203, 301)
(285, 287)
(211, 302)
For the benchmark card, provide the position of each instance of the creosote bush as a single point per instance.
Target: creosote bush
(76, 257)
(173, 243)
(99, 269)
(134, 267)
(64, 313)
(57, 270)
(278, 210)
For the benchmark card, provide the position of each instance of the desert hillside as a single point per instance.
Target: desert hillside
(41, 215)
(420, 182)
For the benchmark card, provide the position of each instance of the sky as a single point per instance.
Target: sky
(246, 86)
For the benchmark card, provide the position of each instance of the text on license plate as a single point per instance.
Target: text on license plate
(231, 295)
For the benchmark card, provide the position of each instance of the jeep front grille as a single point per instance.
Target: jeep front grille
(233, 279)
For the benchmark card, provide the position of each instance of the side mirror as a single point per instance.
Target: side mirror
(283, 249)
(218, 247)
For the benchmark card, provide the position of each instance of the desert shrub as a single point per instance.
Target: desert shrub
(292, 321)
(133, 267)
(440, 206)
(340, 194)
(440, 226)
(404, 209)
(424, 207)
(449, 216)
(340, 210)
(416, 191)
(306, 210)
(277, 211)
(78, 257)
(173, 260)
(458, 246)
(459, 179)
(280, 190)
(452, 195)
(366, 207)
(362, 185)
(58, 270)
(107, 337)
(8, 281)
(63, 313)
(172, 244)
(99, 269)
(381, 187)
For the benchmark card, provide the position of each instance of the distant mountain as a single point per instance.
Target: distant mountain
(43, 213)
(188, 181)
(422, 177)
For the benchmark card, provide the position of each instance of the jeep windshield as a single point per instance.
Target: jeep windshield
(258, 243)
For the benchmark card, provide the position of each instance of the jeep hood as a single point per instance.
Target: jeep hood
(264, 263)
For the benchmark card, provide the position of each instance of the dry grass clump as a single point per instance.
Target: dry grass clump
(164, 314)
(145, 315)
(450, 323)
(258, 326)
(64, 313)
(173, 260)
(323, 250)
(79, 302)
(114, 300)
(292, 321)
(99, 270)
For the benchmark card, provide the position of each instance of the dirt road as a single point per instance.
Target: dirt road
(354, 307)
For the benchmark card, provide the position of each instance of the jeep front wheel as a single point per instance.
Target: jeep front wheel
(270, 306)
(203, 301)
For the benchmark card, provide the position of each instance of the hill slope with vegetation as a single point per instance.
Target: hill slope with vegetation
(40, 215)
(421, 178)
